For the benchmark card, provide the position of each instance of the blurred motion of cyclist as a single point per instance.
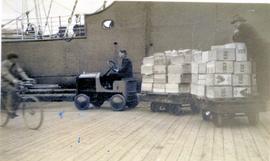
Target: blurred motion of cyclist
(12, 76)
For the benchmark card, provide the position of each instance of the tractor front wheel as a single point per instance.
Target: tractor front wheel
(82, 102)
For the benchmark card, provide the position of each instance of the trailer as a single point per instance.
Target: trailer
(220, 109)
(167, 102)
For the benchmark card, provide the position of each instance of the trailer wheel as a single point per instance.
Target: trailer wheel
(206, 115)
(170, 109)
(176, 110)
(118, 102)
(217, 119)
(253, 118)
(194, 108)
(153, 107)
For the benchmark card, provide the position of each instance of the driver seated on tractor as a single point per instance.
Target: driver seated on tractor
(125, 70)
(12, 75)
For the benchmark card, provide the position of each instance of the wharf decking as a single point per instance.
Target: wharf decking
(133, 135)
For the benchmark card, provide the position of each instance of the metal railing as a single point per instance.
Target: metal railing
(47, 29)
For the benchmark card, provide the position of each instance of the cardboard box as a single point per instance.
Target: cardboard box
(227, 54)
(147, 69)
(222, 67)
(147, 87)
(172, 88)
(198, 90)
(241, 57)
(175, 69)
(179, 69)
(184, 88)
(187, 55)
(240, 47)
(179, 78)
(241, 80)
(217, 47)
(148, 60)
(199, 79)
(188, 58)
(198, 68)
(197, 56)
(240, 50)
(159, 88)
(205, 56)
(179, 59)
(160, 69)
(148, 78)
(201, 90)
(193, 89)
(194, 78)
(160, 59)
(219, 92)
(218, 79)
(241, 91)
(160, 78)
(242, 67)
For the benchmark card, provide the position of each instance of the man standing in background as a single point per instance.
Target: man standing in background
(246, 33)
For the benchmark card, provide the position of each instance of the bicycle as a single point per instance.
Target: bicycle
(30, 106)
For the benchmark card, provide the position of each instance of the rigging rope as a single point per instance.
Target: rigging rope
(36, 12)
(22, 15)
(69, 21)
(47, 16)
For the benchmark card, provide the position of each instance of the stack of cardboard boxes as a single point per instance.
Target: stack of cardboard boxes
(168, 72)
(223, 72)
(179, 72)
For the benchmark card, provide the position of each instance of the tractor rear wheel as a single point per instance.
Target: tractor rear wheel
(118, 102)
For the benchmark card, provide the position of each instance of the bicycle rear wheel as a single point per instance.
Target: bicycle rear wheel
(4, 117)
(32, 112)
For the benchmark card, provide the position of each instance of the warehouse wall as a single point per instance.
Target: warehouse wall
(144, 28)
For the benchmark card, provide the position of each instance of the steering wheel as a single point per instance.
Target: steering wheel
(112, 66)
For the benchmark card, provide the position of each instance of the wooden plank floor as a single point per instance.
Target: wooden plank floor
(134, 135)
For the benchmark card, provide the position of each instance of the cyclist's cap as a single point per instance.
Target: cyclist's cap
(12, 56)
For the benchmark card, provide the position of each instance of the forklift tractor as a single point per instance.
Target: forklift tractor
(95, 89)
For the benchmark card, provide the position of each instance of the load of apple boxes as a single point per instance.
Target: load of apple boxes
(222, 72)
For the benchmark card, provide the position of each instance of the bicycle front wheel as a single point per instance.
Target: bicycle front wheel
(32, 112)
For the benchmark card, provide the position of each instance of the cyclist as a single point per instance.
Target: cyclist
(12, 75)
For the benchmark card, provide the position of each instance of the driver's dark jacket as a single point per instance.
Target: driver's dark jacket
(126, 70)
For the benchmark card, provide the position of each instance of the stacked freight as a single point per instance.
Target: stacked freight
(168, 72)
(223, 72)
